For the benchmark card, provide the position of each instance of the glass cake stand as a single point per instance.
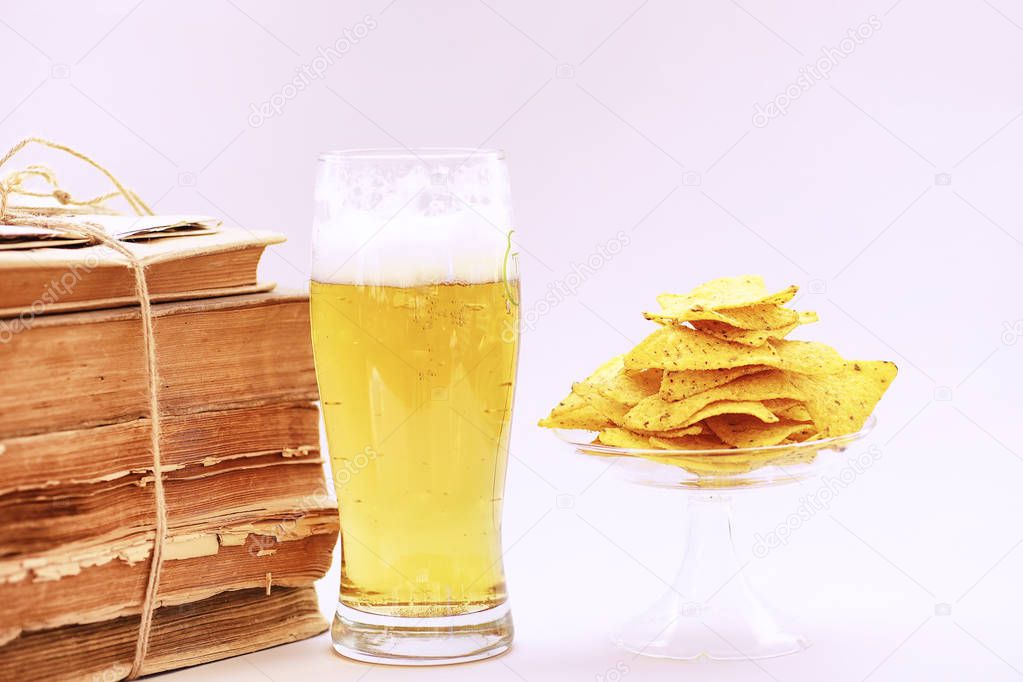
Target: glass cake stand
(710, 611)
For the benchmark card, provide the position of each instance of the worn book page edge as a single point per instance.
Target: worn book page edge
(124, 301)
(183, 307)
(153, 251)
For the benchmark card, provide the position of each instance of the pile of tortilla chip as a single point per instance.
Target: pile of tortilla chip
(719, 374)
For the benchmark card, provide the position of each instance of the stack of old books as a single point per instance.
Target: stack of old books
(250, 521)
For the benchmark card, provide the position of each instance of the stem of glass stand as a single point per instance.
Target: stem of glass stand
(709, 562)
(710, 611)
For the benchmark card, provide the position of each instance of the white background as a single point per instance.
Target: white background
(637, 117)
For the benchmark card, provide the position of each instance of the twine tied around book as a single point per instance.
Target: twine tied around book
(58, 218)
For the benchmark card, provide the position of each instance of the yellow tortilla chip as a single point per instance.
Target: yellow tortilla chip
(744, 431)
(810, 433)
(762, 316)
(752, 337)
(805, 357)
(628, 387)
(681, 348)
(704, 442)
(605, 407)
(693, 430)
(584, 408)
(798, 457)
(589, 390)
(727, 292)
(786, 408)
(680, 385)
(727, 465)
(676, 348)
(623, 438)
(612, 390)
(780, 403)
(574, 413)
(654, 414)
(751, 407)
(840, 403)
(710, 465)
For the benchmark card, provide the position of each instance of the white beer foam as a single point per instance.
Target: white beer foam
(408, 250)
(418, 226)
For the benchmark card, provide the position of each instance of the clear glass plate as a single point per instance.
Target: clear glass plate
(710, 611)
(706, 469)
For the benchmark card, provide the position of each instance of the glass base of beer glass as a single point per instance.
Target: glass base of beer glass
(398, 640)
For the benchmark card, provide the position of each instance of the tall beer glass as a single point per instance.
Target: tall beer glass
(415, 333)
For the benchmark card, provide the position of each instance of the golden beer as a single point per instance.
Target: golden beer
(416, 385)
